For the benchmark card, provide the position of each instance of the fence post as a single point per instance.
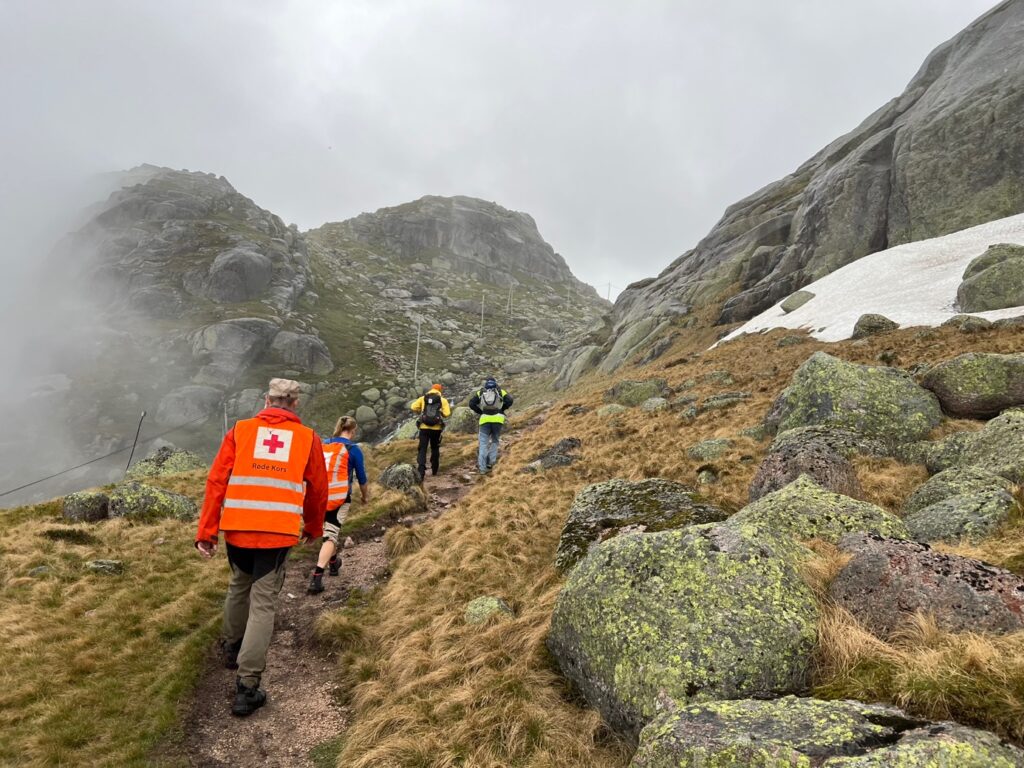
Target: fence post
(134, 442)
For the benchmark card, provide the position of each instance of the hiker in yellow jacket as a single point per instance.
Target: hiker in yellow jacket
(433, 409)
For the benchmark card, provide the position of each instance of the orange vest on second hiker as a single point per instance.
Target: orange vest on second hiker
(265, 491)
(336, 456)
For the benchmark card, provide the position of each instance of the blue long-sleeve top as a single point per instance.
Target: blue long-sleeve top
(355, 459)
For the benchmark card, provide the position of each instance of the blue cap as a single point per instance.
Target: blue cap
(490, 384)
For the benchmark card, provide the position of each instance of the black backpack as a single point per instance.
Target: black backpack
(431, 410)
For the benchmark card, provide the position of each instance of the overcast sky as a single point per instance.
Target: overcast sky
(625, 128)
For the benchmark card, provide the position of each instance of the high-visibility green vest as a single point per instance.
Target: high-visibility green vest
(492, 418)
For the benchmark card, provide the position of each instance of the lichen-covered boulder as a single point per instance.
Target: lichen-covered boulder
(602, 510)
(888, 580)
(400, 477)
(697, 614)
(994, 280)
(843, 441)
(977, 385)
(957, 481)
(968, 323)
(968, 517)
(706, 450)
(86, 506)
(940, 455)
(463, 421)
(144, 503)
(871, 325)
(804, 510)
(479, 610)
(166, 461)
(610, 410)
(999, 447)
(633, 393)
(408, 431)
(723, 401)
(799, 733)
(654, 405)
(885, 404)
(814, 458)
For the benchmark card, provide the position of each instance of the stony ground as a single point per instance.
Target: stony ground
(302, 710)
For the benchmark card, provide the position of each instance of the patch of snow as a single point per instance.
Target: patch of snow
(912, 284)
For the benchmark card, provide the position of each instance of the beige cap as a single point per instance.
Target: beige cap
(283, 388)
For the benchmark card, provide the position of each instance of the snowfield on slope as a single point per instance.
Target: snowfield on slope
(912, 284)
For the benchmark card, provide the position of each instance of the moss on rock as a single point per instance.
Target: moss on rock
(804, 510)
(804, 733)
(957, 481)
(977, 385)
(881, 403)
(969, 517)
(481, 609)
(600, 511)
(704, 613)
(633, 393)
(166, 461)
(86, 506)
(144, 503)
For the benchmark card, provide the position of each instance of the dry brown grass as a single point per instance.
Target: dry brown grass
(887, 482)
(404, 540)
(436, 692)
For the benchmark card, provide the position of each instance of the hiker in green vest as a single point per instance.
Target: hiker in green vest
(490, 403)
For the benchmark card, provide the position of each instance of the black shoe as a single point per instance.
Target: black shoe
(230, 652)
(247, 700)
(333, 566)
(316, 584)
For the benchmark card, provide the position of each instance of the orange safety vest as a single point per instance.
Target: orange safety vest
(336, 457)
(265, 491)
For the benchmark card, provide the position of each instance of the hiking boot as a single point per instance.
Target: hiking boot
(230, 652)
(333, 566)
(316, 584)
(247, 700)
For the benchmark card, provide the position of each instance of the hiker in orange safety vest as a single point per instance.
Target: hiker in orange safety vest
(267, 491)
(344, 459)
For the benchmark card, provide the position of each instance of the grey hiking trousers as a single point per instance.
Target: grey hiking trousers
(257, 576)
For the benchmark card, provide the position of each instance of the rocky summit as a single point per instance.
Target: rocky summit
(189, 296)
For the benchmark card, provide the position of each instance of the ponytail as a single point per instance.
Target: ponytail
(345, 424)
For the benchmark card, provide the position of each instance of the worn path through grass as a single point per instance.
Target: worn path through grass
(303, 718)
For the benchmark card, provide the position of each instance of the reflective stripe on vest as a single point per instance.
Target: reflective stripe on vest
(265, 492)
(336, 458)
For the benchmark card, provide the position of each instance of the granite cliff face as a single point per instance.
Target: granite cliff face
(946, 154)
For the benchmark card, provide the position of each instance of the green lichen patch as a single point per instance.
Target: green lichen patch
(481, 609)
(804, 510)
(706, 450)
(881, 403)
(935, 746)
(703, 613)
(956, 481)
(600, 511)
(999, 447)
(166, 461)
(633, 393)
(969, 517)
(144, 503)
(977, 385)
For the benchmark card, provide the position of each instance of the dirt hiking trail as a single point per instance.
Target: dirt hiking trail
(302, 709)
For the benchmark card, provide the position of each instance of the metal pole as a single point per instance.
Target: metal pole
(483, 296)
(225, 418)
(134, 442)
(416, 365)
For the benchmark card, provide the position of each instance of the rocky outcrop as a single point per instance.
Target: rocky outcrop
(969, 516)
(633, 393)
(999, 448)
(603, 510)
(929, 162)
(977, 385)
(958, 481)
(804, 732)
(705, 612)
(994, 280)
(145, 503)
(166, 461)
(888, 580)
(883, 404)
(86, 506)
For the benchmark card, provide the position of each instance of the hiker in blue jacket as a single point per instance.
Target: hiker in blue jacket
(490, 403)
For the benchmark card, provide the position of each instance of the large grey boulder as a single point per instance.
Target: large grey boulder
(789, 732)
(796, 300)
(633, 393)
(303, 351)
(463, 421)
(813, 457)
(701, 613)
(872, 325)
(603, 510)
(804, 510)
(969, 516)
(887, 580)
(885, 404)
(957, 481)
(994, 280)
(399, 477)
(977, 385)
(86, 506)
(999, 447)
(145, 503)
(190, 404)
(239, 274)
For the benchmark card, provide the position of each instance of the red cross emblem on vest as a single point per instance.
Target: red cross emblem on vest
(275, 445)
